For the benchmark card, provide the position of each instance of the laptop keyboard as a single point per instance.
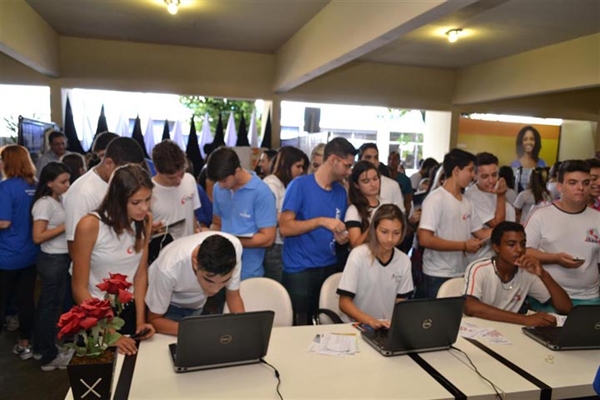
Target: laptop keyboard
(380, 337)
(549, 335)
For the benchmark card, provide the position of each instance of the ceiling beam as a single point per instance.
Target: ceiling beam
(570, 65)
(343, 31)
(27, 38)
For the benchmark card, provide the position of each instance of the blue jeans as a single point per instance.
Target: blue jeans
(432, 285)
(175, 313)
(53, 270)
(273, 262)
(304, 288)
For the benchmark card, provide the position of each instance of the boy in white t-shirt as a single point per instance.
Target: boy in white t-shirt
(565, 236)
(448, 224)
(175, 194)
(187, 272)
(488, 195)
(497, 287)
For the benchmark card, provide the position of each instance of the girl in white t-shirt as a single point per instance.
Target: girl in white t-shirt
(377, 275)
(53, 260)
(114, 239)
(535, 195)
(363, 193)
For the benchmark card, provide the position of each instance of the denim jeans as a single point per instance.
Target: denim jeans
(53, 270)
(273, 263)
(21, 283)
(304, 289)
(432, 285)
(175, 313)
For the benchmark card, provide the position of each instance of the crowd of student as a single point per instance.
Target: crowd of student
(181, 243)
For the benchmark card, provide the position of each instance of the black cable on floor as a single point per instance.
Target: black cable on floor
(276, 376)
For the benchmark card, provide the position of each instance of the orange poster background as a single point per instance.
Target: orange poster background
(500, 139)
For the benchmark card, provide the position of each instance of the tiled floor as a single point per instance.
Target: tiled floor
(24, 379)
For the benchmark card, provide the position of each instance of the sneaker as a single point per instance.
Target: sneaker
(12, 323)
(37, 356)
(25, 352)
(60, 362)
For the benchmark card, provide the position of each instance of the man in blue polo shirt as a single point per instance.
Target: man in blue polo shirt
(244, 206)
(311, 222)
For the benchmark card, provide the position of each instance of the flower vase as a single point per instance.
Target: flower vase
(91, 377)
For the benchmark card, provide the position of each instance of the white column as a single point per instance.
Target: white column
(436, 140)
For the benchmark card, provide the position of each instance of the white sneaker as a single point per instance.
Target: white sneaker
(60, 362)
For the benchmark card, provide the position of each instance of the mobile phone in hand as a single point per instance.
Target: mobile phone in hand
(140, 334)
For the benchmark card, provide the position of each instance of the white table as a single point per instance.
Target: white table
(366, 375)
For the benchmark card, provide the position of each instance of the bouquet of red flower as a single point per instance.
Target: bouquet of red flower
(94, 322)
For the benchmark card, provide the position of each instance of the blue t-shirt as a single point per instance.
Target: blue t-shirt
(404, 182)
(314, 249)
(243, 212)
(17, 249)
(205, 212)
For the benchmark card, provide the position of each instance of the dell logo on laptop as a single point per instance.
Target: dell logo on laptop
(226, 339)
(427, 324)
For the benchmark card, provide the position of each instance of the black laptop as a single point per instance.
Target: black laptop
(215, 341)
(418, 326)
(581, 330)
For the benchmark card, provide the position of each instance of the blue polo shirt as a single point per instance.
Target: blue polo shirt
(17, 249)
(314, 249)
(243, 212)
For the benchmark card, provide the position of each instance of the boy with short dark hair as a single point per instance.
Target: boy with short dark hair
(244, 206)
(448, 224)
(187, 272)
(496, 287)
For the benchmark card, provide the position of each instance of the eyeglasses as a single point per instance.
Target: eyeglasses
(347, 165)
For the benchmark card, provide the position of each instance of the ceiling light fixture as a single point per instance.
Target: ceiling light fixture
(172, 6)
(453, 35)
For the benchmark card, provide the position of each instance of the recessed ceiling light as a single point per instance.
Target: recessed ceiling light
(453, 34)
(172, 6)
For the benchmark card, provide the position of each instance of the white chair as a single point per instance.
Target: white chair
(452, 288)
(260, 294)
(329, 309)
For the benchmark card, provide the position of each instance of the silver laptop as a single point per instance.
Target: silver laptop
(418, 326)
(581, 330)
(215, 341)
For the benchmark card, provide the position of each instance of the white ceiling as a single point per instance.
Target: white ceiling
(246, 25)
(494, 28)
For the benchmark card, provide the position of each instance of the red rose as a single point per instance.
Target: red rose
(125, 296)
(88, 322)
(113, 284)
(97, 308)
(70, 322)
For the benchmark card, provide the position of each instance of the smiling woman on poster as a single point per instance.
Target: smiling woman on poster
(528, 146)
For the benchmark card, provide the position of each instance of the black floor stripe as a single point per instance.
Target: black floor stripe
(441, 379)
(546, 391)
(126, 376)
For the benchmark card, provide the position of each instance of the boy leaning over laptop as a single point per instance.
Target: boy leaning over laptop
(496, 287)
(187, 272)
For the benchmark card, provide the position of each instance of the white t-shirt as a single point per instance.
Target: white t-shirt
(353, 218)
(526, 201)
(551, 230)
(174, 203)
(172, 280)
(373, 286)
(553, 189)
(48, 209)
(482, 282)
(485, 208)
(415, 179)
(276, 186)
(112, 253)
(450, 219)
(83, 197)
(389, 193)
